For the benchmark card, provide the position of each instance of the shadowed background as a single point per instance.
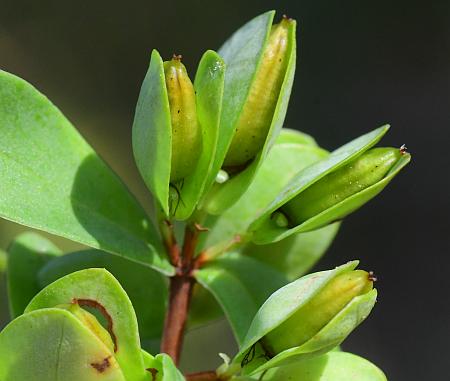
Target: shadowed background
(360, 64)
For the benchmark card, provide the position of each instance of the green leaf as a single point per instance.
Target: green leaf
(236, 282)
(296, 254)
(52, 180)
(53, 345)
(209, 82)
(27, 254)
(98, 288)
(267, 184)
(242, 54)
(289, 135)
(333, 366)
(284, 302)
(266, 231)
(146, 288)
(152, 132)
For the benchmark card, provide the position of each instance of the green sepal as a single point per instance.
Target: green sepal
(242, 54)
(146, 288)
(98, 289)
(333, 366)
(52, 180)
(152, 133)
(208, 84)
(264, 230)
(161, 367)
(27, 254)
(235, 282)
(284, 302)
(51, 344)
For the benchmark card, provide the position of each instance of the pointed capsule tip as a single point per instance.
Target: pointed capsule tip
(287, 18)
(372, 277)
(177, 57)
(403, 149)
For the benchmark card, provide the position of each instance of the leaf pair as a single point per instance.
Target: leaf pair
(49, 343)
(52, 180)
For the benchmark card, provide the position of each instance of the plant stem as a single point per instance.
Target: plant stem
(203, 376)
(179, 299)
(181, 285)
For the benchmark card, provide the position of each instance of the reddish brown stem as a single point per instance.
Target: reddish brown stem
(179, 299)
(203, 376)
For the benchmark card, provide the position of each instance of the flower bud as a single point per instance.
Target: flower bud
(256, 117)
(186, 132)
(309, 319)
(366, 170)
(91, 322)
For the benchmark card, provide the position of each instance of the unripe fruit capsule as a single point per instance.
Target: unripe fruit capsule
(366, 170)
(186, 132)
(256, 117)
(309, 319)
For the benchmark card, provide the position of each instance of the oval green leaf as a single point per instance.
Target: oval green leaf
(333, 366)
(146, 288)
(265, 230)
(296, 254)
(52, 180)
(235, 282)
(53, 345)
(99, 289)
(27, 254)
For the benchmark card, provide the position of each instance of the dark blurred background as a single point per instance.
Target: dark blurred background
(360, 64)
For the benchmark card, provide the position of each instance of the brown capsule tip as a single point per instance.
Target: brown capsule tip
(372, 277)
(287, 18)
(177, 57)
(403, 149)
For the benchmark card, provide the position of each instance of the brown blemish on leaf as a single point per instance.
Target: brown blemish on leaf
(99, 307)
(102, 366)
(154, 373)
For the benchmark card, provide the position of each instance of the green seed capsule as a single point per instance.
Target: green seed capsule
(91, 322)
(256, 117)
(186, 132)
(366, 170)
(309, 319)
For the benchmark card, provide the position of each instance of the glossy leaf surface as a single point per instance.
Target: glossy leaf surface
(53, 345)
(295, 254)
(265, 230)
(333, 366)
(240, 285)
(97, 288)
(27, 254)
(52, 180)
(242, 54)
(146, 288)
